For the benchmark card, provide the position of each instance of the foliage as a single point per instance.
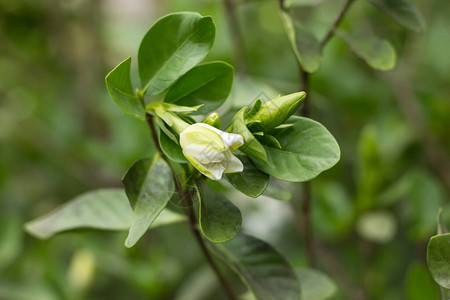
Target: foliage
(371, 214)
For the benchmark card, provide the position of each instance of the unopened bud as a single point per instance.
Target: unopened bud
(276, 111)
(213, 120)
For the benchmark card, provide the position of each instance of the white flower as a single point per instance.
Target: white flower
(209, 150)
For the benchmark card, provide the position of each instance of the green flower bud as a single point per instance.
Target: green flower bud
(276, 111)
(213, 120)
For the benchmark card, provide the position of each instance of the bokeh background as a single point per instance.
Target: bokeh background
(61, 134)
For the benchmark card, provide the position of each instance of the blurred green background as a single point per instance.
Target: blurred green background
(61, 134)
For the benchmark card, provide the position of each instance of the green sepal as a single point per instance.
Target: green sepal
(270, 140)
(168, 113)
(255, 108)
(252, 146)
(166, 130)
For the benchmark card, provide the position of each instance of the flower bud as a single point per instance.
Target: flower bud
(213, 120)
(209, 149)
(276, 111)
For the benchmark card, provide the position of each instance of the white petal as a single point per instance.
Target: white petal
(232, 140)
(232, 163)
(216, 170)
(203, 154)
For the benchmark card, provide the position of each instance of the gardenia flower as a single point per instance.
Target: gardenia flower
(209, 150)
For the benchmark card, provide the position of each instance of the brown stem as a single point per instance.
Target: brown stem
(186, 197)
(336, 23)
(238, 42)
(305, 220)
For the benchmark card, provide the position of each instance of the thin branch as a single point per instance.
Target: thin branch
(238, 42)
(336, 23)
(186, 197)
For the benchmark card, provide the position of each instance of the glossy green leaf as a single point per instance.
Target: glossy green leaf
(119, 86)
(438, 259)
(308, 149)
(278, 190)
(265, 272)
(172, 46)
(304, 44)
(106, 209)
(315, 284)
(377, 53)
(403, 12)
(171, 149)
(252, 146)
(220, 220)
(149, 187)
(252, 182)
(208, 84)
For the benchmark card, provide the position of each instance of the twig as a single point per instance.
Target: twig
(186, 197)
(304, 220)
(336, 23)
(238, 42)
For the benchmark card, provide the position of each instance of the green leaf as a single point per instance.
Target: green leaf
(265, 272)
(252, 182)
(171, 149)
(172, 46)
(308, 149)
(219, 219)
(315, 284)
(403, 12)
(106, 209)
(208, 84)
(419, 283)
(278, 190)
(438, 259)
(165, 107)
(119, 86)
(149, 187)
(252, 146)
(378, 53)
(304, 44)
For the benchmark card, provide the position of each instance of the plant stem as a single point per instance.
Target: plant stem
(238, 42)
(304, 220)
(186, 197)
(336, 23)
